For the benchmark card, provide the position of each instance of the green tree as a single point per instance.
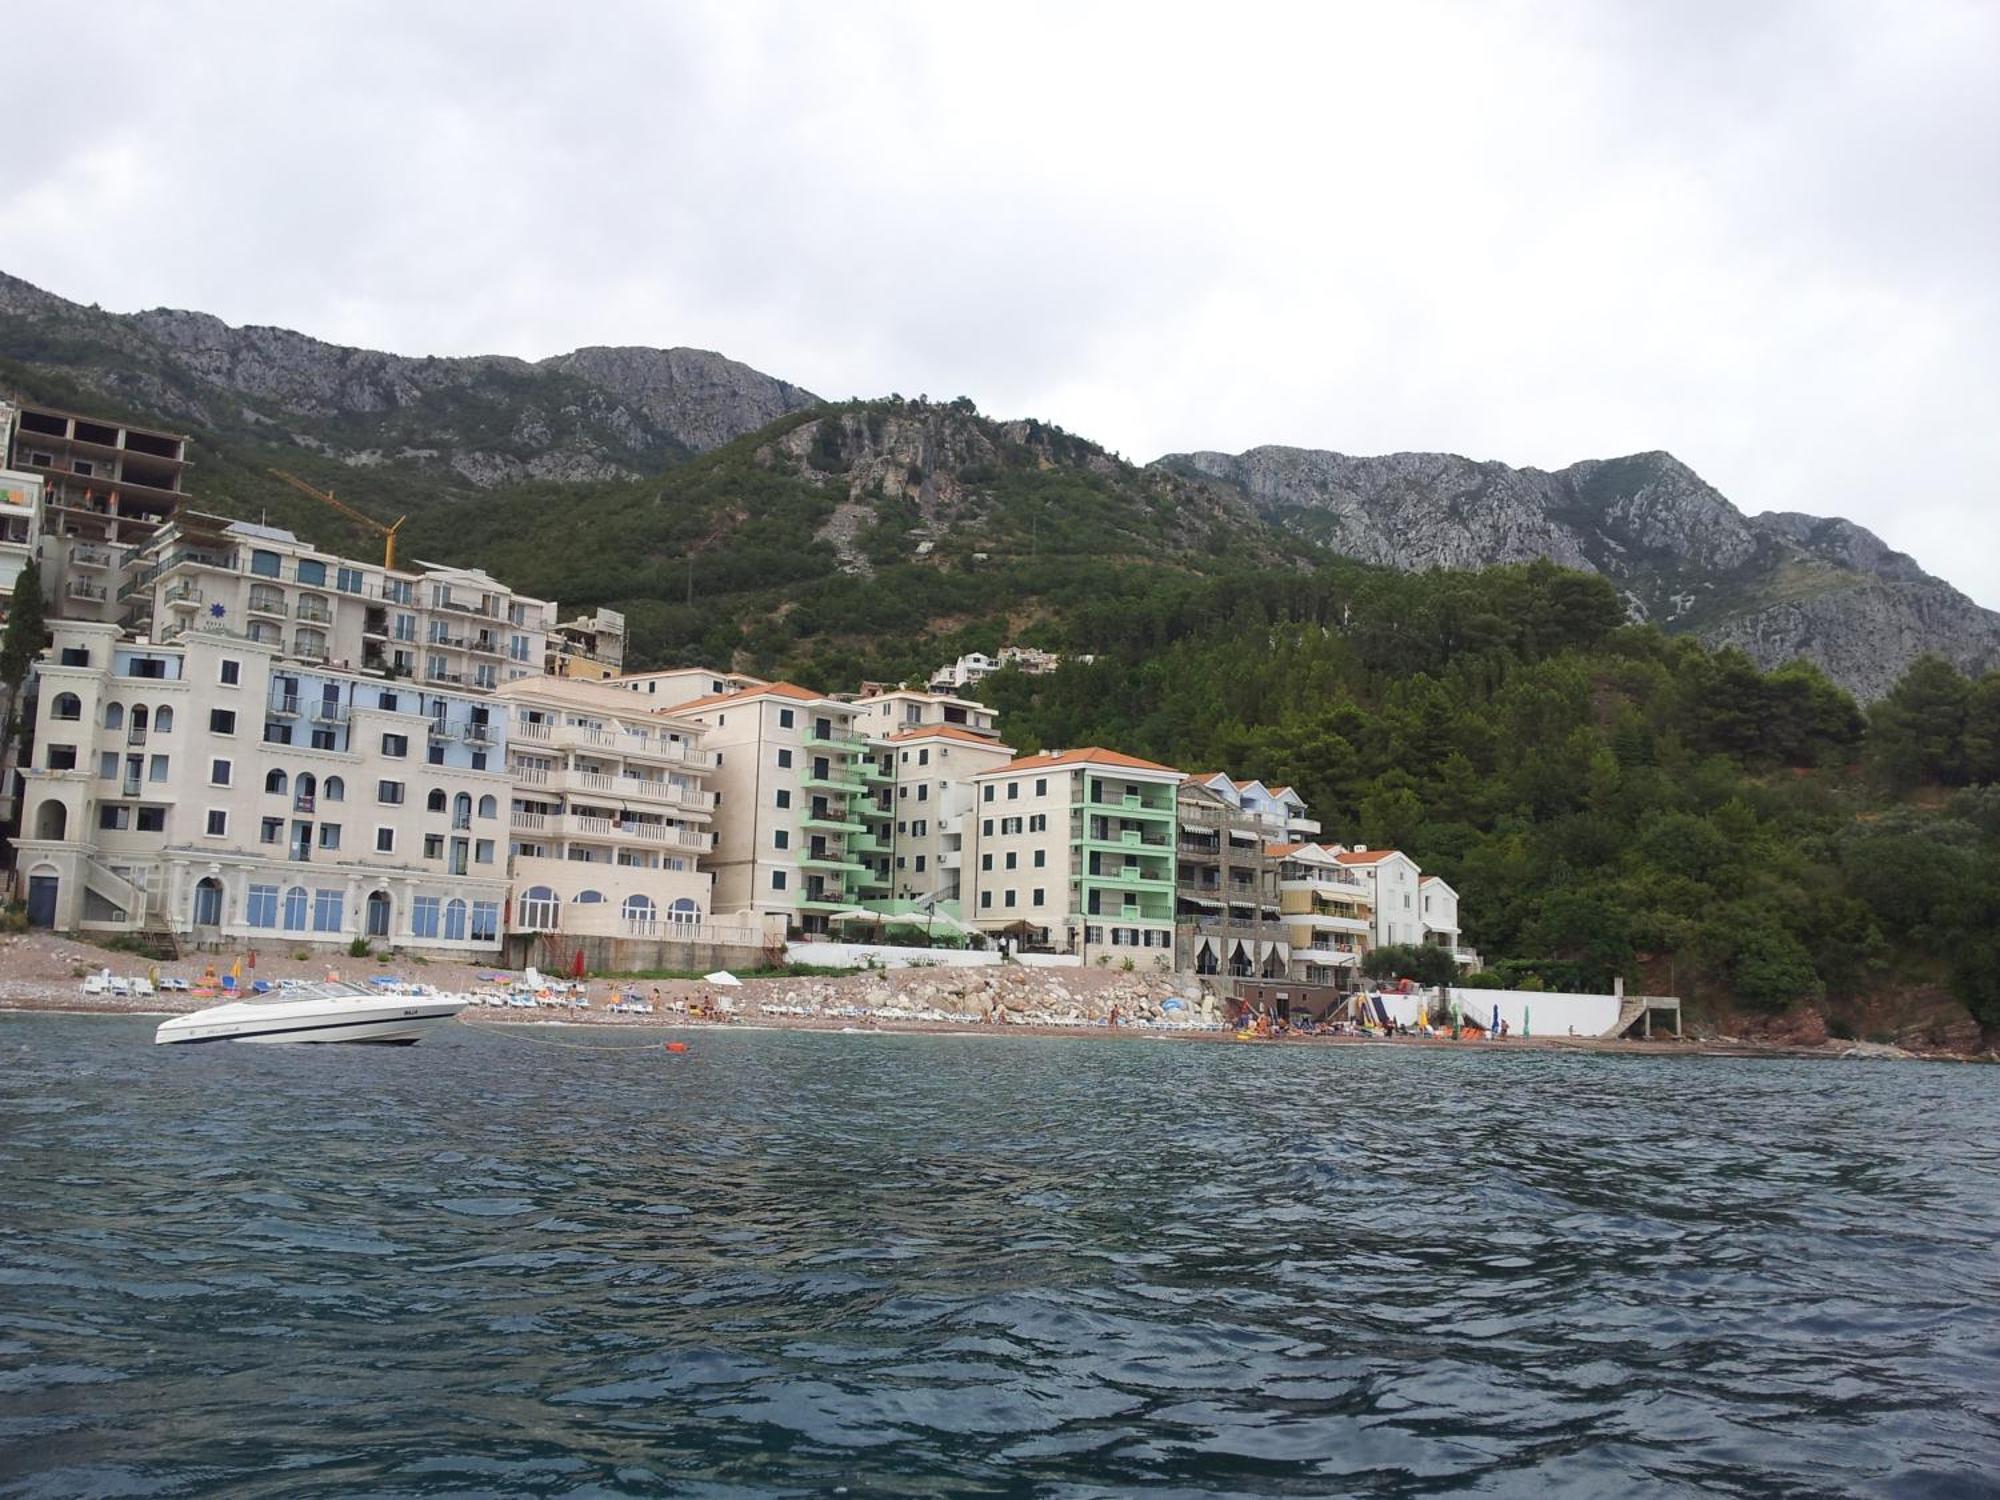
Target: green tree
(1425, 963)
(1917, 733)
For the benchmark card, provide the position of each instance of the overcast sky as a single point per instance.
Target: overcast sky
(1765, 236)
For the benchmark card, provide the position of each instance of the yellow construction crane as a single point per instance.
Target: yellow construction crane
(388, 532)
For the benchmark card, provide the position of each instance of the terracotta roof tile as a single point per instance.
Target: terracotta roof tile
(1091, 755)
(949, 732)
(1366, 856)
(749, 694)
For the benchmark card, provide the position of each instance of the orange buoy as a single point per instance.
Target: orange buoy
(677, 1046)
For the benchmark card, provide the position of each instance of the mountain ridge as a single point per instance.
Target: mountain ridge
(1778, 585)
(445, 438)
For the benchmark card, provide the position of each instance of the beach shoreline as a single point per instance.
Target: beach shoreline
(42, 973)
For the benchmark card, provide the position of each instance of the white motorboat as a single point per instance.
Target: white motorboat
(329, 1011)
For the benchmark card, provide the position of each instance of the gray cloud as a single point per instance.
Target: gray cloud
(1760, 236)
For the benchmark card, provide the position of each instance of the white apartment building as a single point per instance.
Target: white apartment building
(976, 666)
(1438, 903)
(671, 685)
(790, 775)
(1391, 880)
(443, 627)
(1327, 911)
(887, 711)
(211, 790)
(611, 812)
(1075, 849)
(920, 799)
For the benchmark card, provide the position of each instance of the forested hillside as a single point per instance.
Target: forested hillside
(1607, 799)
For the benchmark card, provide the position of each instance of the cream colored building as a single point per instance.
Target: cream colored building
(671, 685)
(441, 627)
(611, 813)
(210, 790)
(591, 646)
(1079, 846)
(791, 772)
(1327, 911)
(20, 512)
(921, 798)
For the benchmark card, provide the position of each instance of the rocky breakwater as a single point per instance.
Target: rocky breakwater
(1002, 995)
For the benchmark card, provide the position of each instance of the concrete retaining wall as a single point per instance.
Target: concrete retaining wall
(623, 955)
(889, 956)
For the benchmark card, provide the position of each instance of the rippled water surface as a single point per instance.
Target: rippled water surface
(922, 1265)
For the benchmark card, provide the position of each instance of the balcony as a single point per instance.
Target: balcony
(324, 712)
(840, 743)
(831, 822)
(478, 735)
(267, 604)
(92, 557)
(84, 590)
(438, 729)
(313, 612)
(486, 645)
(832, 859)
(283, 706)
(832, 781)
(1129, 878)
(636, 788)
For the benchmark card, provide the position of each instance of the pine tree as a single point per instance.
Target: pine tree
(27, 631)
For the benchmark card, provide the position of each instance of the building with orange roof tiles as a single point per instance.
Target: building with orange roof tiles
(1074, 850)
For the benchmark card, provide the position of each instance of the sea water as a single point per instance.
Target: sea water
(917, 1265)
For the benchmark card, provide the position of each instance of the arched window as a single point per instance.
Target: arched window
(334, 789)
(435, 801)
(587, 898)
(163, 719)
(66, 706)
(378, 913)
(538, 909)
(684, 911)
(639, 908)
(295, 909)
(114, 714)
(461, 810)
(489, 807)
(274, 782)
(454, 921)
(308, 786)
(139, 718)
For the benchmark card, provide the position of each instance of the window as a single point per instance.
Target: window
(222, 721)
(986, 899)
(270, 830)
(218, 773)
(396, 745)
(1013, 860)
(784, 759)
(114, 714)
(1013, 791)
(333, 789)
(784, 797)
(389, 792)
(489, 806)
(538, 908)
(385, 841)
(261, 910)
(923, 792)
(326, 911)
(424, 916)
(1041, 786)
(987, 792)
(1041, 858)
(923, 757)
(107, 765)
(784, 718)
(348, 580)
(1038, 823)
(1010, 825)
(435, 801)
(781, 839)
(163, 720)
(482, 851)
(311, 571)
(985, 861)
(986, 827)
(329, 835)
(217, 824)
(63, 758)
(1038, 896)
(920, 864)
(386, 701)
(454, 921)
(111, 816)
(485, 921)
(777, 880)
(277, 734)
(295, 909)
(433, 846)
(264, 564)
(638, 908)
(274, 782)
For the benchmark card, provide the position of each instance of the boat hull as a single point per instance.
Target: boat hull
(398, 1023)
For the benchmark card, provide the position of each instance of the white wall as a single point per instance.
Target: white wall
(1526, 1012)
(856, 955)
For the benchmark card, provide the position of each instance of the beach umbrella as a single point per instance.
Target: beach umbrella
(1496, 1018)
(722, 976)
